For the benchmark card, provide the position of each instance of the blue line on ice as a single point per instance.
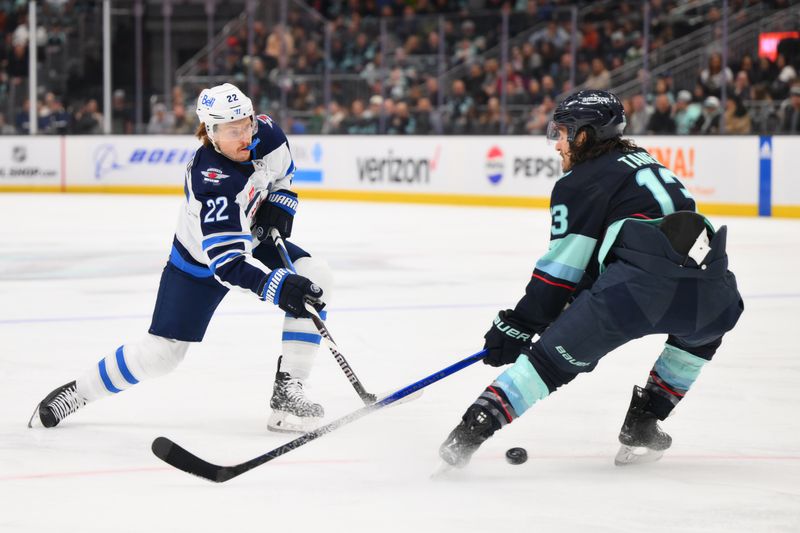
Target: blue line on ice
(15, 321)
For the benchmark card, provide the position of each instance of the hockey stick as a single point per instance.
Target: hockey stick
(180, 458)
(365, 396)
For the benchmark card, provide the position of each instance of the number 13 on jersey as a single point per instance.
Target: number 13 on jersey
(657, 187)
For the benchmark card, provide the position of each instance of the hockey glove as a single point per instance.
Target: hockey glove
(277, 212)
(506, 339)
(290, 292)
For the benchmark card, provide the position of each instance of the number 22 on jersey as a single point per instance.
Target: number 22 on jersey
(219, 205)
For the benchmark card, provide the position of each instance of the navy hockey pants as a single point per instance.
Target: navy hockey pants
(186, 303)
(626, 303)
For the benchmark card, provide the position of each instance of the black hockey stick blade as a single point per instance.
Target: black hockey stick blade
(182, 459)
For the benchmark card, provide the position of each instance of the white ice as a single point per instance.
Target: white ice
(417, 286)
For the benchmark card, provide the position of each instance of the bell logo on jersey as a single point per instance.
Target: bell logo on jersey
(213, 175)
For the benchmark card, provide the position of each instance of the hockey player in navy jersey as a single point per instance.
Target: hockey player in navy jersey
(237, 186)
(629, 256)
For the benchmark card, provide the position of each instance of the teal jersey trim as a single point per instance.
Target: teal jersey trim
(522, 384)
(568, 257)
(678, 367)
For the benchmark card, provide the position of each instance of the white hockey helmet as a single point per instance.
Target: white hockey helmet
(221, 104)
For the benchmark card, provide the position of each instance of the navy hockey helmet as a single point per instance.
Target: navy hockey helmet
(599, 110)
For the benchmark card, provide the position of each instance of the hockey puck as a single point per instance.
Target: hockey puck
(516, 456)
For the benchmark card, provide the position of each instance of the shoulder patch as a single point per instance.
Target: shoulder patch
(264, 119)
(213, 175)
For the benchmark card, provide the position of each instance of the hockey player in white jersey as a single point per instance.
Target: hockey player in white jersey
(237, 186)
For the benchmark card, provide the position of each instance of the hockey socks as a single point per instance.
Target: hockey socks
(672, 376)
(300, 343)
(510, 395)
(150, 357)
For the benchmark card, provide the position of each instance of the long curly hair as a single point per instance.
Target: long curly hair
(589, 147)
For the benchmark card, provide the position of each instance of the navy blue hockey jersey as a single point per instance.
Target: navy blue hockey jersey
(585, 204)
(222, 196)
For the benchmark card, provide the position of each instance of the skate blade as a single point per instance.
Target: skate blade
(283, 422)
(35, 421)
(636, 455)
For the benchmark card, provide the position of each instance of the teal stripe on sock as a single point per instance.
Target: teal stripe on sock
(678, 368)
(522, 384)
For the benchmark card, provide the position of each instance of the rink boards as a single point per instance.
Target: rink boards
(741, 175)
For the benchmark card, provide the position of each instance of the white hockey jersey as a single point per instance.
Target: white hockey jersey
(222, 196)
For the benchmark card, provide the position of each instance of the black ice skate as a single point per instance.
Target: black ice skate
(642, 439)
(57, 406)
(475, 427)
(292, 412)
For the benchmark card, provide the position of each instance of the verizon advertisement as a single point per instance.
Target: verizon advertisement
(31, 161)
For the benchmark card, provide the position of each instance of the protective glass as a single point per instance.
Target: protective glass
(231, 132)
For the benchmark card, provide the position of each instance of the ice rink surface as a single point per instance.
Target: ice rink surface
(417, 286)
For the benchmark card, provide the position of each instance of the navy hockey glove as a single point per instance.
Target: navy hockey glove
(290, 292)
(506, 339)
(277, 212)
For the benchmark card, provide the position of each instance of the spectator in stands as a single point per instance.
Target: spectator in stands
(765, 72)
(639, 116)
(600, 77)
(280, 44)
(786, 75)
(460, 108)
(540, 116)
(661, 121)
(53, 118)
(182, 122)
(401, 121)
(489, 122)
(552, 34)
(354, 123)
(686, 113)
(5, 128)
(737, 119)
(88, 120)
(791, 113)
(335, 117)
(708, 121)
(22, 120)
(161, 122)
(741, 87)
(715, 74)
(425, 117)
(549, 87)
(121, 114)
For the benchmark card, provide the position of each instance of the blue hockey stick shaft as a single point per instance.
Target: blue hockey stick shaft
(180, 458)
(365, 396)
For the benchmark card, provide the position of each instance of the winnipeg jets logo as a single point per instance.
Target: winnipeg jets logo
(213, 175)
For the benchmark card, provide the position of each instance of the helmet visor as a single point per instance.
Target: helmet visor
(553, 131)
(233, 131)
